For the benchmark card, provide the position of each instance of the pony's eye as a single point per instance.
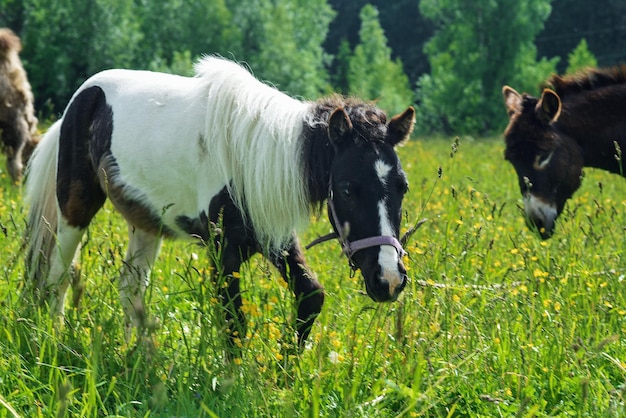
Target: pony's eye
(345, 190)
(403, 187)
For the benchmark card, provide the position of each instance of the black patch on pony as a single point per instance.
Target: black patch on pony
(224, 212)
(317, 149)
(127, 200)
(87, 171)
(85, 135)
(196, 227)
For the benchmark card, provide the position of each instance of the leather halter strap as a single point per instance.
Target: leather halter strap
(350, 247)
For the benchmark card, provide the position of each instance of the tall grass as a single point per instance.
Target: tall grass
(494, 321)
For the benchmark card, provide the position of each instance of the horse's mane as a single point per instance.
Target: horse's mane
(271, 148)
(587, 80)
(253, 132)
(368, 120)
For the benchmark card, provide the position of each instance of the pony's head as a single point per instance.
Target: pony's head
(367, 186)
(548, 163)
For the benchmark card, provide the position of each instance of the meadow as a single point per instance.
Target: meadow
(494, 322)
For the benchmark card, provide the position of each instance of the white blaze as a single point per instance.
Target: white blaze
(382, 170)
(541, 161)
(388, 256)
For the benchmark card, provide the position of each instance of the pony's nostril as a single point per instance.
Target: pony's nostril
(400, 288)
(537, 223)
(545, 227)
(396, 282)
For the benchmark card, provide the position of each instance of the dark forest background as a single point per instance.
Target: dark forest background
(448, 57)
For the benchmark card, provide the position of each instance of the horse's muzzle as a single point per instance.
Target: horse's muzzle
(540, 216)
(386, 285)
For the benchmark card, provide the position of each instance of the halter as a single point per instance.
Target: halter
(349, 248)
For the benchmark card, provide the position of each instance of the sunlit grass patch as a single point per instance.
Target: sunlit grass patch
(494, 321)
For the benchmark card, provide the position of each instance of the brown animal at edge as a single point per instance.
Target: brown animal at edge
(18, 124)
(578, 121)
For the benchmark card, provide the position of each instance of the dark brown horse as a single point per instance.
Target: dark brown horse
(580, 121)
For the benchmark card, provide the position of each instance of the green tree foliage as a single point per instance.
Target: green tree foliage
(341, 64)
(178, 31)
(478, 47)
(115, 35)
(181, 63)
(458, 53)
(581, 57)
(372, 74)
(405, 28)
(12, 14)
(67, 39)
(282, 42)
(602, 24)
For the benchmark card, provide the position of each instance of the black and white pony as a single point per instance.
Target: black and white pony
(176, 155)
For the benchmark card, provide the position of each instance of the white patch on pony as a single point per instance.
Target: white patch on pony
(536, 208)
(63, 256)
(542, 161)
(250, 129)
(382, 170)
(388, 255)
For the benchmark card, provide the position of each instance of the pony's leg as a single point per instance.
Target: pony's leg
(233, 255)
(234, 246)
(13, 140)
(308, 291)
(143, 249)
(61, 265)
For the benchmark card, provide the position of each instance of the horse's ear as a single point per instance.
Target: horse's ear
(512, 100)
(548, 108)
(339, 126)
(400, 127)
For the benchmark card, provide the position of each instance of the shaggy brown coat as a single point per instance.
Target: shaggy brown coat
(18, 124)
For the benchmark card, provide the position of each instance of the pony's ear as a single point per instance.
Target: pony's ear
(512, 100)
(400, 127)
(339, 126)
(548, 108)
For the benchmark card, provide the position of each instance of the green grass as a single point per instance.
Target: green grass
(494, 321)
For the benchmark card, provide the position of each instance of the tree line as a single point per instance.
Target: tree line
(448, 57)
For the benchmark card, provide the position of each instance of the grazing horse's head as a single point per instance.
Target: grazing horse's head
(367, 186)
(548, 163)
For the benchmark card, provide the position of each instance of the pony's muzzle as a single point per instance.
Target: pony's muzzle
(387, 278)
(540, 215)
(396, 282)
(387, 287)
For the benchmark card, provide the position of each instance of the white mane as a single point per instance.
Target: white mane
(254, 131)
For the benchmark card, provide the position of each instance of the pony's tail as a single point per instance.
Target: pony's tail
(40, 189)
